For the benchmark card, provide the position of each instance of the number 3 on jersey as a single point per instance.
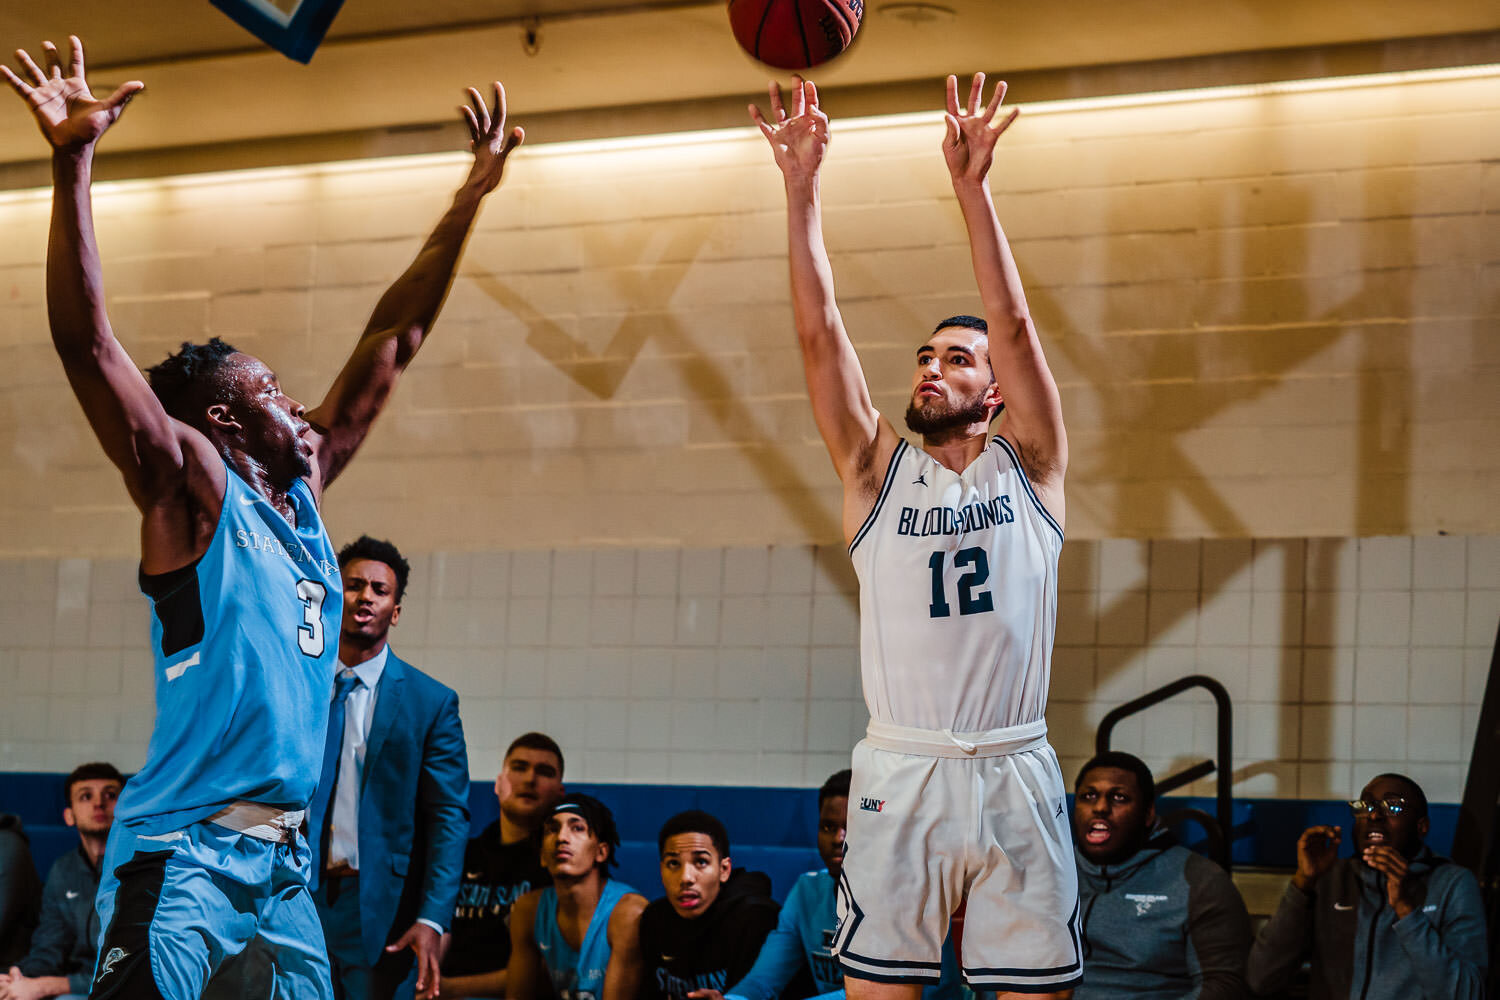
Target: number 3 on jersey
(310, 633)
(971, 600)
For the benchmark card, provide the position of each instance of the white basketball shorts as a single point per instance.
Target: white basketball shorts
(937, 818)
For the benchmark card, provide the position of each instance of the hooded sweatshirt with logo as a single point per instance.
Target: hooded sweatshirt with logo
(1163, 924)
(712, 951)
(1359, 950)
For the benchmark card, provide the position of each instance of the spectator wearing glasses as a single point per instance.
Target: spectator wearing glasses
(1393, 921)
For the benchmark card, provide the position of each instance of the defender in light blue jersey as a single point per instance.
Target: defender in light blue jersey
(227, 472)
(577, 938)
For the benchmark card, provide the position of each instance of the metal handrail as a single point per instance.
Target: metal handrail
(1221, 767)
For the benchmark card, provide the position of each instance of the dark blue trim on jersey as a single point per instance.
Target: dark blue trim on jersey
(985, 977)
(1066, 984)
(1026, 481)
(843, 936)
(885, 489)
(904, 980)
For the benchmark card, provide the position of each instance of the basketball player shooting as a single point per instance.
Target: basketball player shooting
(955, 543)
(227, 472)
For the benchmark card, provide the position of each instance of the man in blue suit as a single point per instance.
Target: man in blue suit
(388, 826)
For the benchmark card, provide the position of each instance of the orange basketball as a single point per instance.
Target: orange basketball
(795, 34)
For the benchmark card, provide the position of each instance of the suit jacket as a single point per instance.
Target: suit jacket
(413, 808)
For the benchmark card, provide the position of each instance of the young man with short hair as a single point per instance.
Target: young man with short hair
(956, 545)
(708, 929)
(1394, 921)
(61, 959)
(228, 473)
(1160, 922)
(501, 865)
(395, 786)
(575, 939)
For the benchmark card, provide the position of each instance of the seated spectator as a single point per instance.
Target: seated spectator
(1158, 920)
(579, 932)
(20, 891)
(501, 865)
(1393, 921)
(707, 931)
(797, 958)
(61, 959)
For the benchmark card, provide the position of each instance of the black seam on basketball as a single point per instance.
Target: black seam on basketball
(838, 8)
(802, 33)
(760, 29)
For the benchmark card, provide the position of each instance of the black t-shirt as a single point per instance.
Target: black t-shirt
(714, 951)
(495, 875)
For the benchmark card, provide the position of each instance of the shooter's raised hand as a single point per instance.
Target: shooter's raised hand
(70, 117)
(491, 143)
(798, 140)
(973, 129)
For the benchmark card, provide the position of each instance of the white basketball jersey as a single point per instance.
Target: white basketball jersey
(957, 593)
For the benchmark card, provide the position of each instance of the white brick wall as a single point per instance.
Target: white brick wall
(1271, 316)
(740, 665)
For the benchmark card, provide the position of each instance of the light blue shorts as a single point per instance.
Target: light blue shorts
(179, 911)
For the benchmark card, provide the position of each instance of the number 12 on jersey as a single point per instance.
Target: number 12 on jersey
(971, 600)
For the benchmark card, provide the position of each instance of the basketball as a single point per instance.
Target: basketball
(795, 34)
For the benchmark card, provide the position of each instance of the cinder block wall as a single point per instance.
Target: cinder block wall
(1273, 317)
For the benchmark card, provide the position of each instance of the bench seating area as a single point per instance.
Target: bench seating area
(772, 829)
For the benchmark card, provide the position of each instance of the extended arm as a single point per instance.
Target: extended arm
(406, 312)
(151, 450)
(622, 977)
(526, 975)
(856, 436)
(1033, 421)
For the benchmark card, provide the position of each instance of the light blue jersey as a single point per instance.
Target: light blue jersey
(246, 645)
(804, 933)
(577, 975)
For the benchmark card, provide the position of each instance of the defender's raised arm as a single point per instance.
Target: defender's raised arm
(1033, 410)
(406, 312)
(143, 442)
(858, 440)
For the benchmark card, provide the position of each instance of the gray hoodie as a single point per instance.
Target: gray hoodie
(1360, 951)
(1164, 924)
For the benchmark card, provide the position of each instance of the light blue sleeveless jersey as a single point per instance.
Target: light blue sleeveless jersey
(246, 646)
(577, 975)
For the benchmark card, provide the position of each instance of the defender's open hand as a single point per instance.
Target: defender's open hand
(69, 116)
(489, 140)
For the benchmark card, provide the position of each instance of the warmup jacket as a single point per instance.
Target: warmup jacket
(1164, 924)
(710, 951)
(67, 936)
(1360, 951)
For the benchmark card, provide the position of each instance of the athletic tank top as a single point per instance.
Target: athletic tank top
(245, 642)
(577, 975)
(957, 594)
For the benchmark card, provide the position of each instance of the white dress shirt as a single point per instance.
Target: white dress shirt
(359, 709)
